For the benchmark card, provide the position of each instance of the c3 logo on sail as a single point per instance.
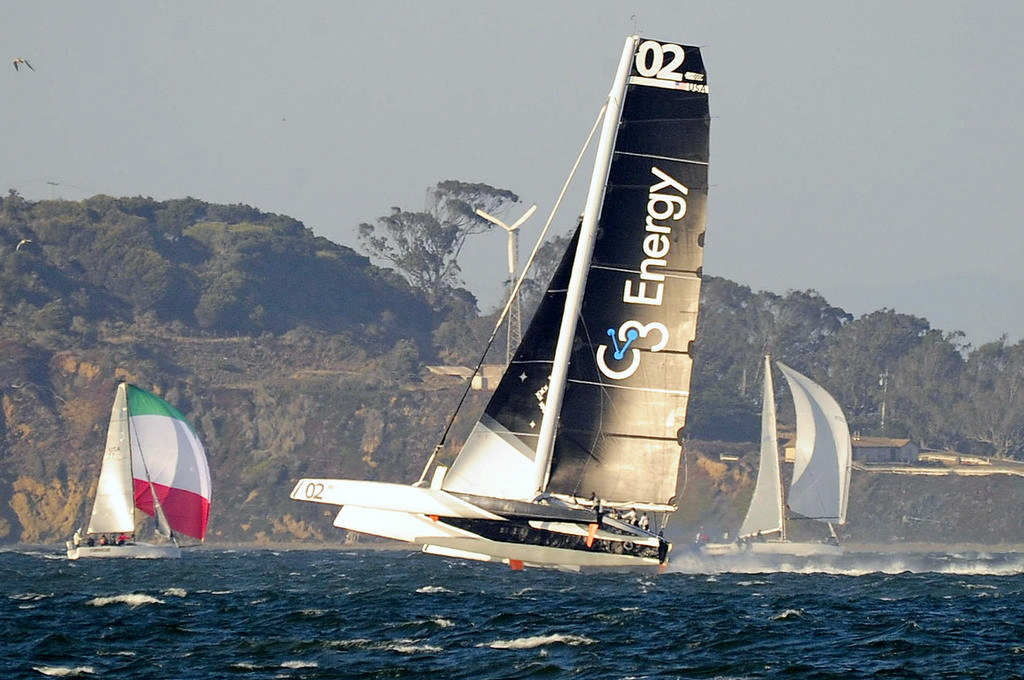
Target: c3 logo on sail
(622, 341)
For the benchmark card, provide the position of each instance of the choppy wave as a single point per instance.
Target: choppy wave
(538, 641)
(131, 599)
(855, 564)
(64, 671)
(429, 590)
(316, 615)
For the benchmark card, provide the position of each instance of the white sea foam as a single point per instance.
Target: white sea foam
(432, 589)
(175, 592)
(64, 671)
(539, 641)
(131, 599)
(787, 614)
(854, 564)
(442, 623)
(32, 597)
(355, 643)
(300, 664)
(410, 647)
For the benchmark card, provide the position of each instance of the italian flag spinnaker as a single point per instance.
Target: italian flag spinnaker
(168, 460)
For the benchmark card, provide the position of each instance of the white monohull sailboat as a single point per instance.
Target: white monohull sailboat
(153, 462)
(819, 489)
(580, 444)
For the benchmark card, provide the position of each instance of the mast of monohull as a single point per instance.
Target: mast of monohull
(580, 267)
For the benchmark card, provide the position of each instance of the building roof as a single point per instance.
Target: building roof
(878, 442)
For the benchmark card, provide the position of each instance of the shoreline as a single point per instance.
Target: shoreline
(848, 548)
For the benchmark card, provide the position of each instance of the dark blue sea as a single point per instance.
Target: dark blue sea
(395, 614)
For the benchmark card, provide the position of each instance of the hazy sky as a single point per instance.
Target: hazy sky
(869, 150)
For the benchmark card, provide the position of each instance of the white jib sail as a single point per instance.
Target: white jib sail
(765, 515)
(821, 470)
(114, 508)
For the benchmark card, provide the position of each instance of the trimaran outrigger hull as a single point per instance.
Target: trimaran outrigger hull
(575, 459)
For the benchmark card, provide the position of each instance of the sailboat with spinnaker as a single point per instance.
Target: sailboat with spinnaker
(820, 485)
(153, 462)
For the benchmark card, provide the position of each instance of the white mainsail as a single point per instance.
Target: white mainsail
(819, 489)
(765, 514)
(113, 511)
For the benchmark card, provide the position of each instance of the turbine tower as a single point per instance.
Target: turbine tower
(514, 312)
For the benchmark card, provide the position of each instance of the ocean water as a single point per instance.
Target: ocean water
(396, 614)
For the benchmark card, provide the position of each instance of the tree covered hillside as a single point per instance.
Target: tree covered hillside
(225, 269)
(294, 356)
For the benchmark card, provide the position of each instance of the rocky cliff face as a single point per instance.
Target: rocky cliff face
(269, 410)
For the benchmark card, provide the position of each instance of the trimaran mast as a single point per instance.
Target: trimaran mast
(580, 267)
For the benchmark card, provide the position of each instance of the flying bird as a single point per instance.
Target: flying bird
(19, 61)
(25, 241)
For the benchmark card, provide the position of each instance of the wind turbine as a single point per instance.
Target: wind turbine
(514, 312)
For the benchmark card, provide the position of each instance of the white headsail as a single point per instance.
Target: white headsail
(821, 470)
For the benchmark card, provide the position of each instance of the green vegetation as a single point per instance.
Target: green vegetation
(892, 373)
(295, 356)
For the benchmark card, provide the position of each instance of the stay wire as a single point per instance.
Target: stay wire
(511, 298)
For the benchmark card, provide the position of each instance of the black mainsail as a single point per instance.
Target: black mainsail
(629, 372)
(587, 419)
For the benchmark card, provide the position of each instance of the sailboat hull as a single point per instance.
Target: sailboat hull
(781, 548)
(444, 524)
(139, 551)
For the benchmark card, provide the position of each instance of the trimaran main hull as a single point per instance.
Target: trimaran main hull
(460, 525)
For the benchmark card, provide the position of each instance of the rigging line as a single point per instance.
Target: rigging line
(512, 296)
